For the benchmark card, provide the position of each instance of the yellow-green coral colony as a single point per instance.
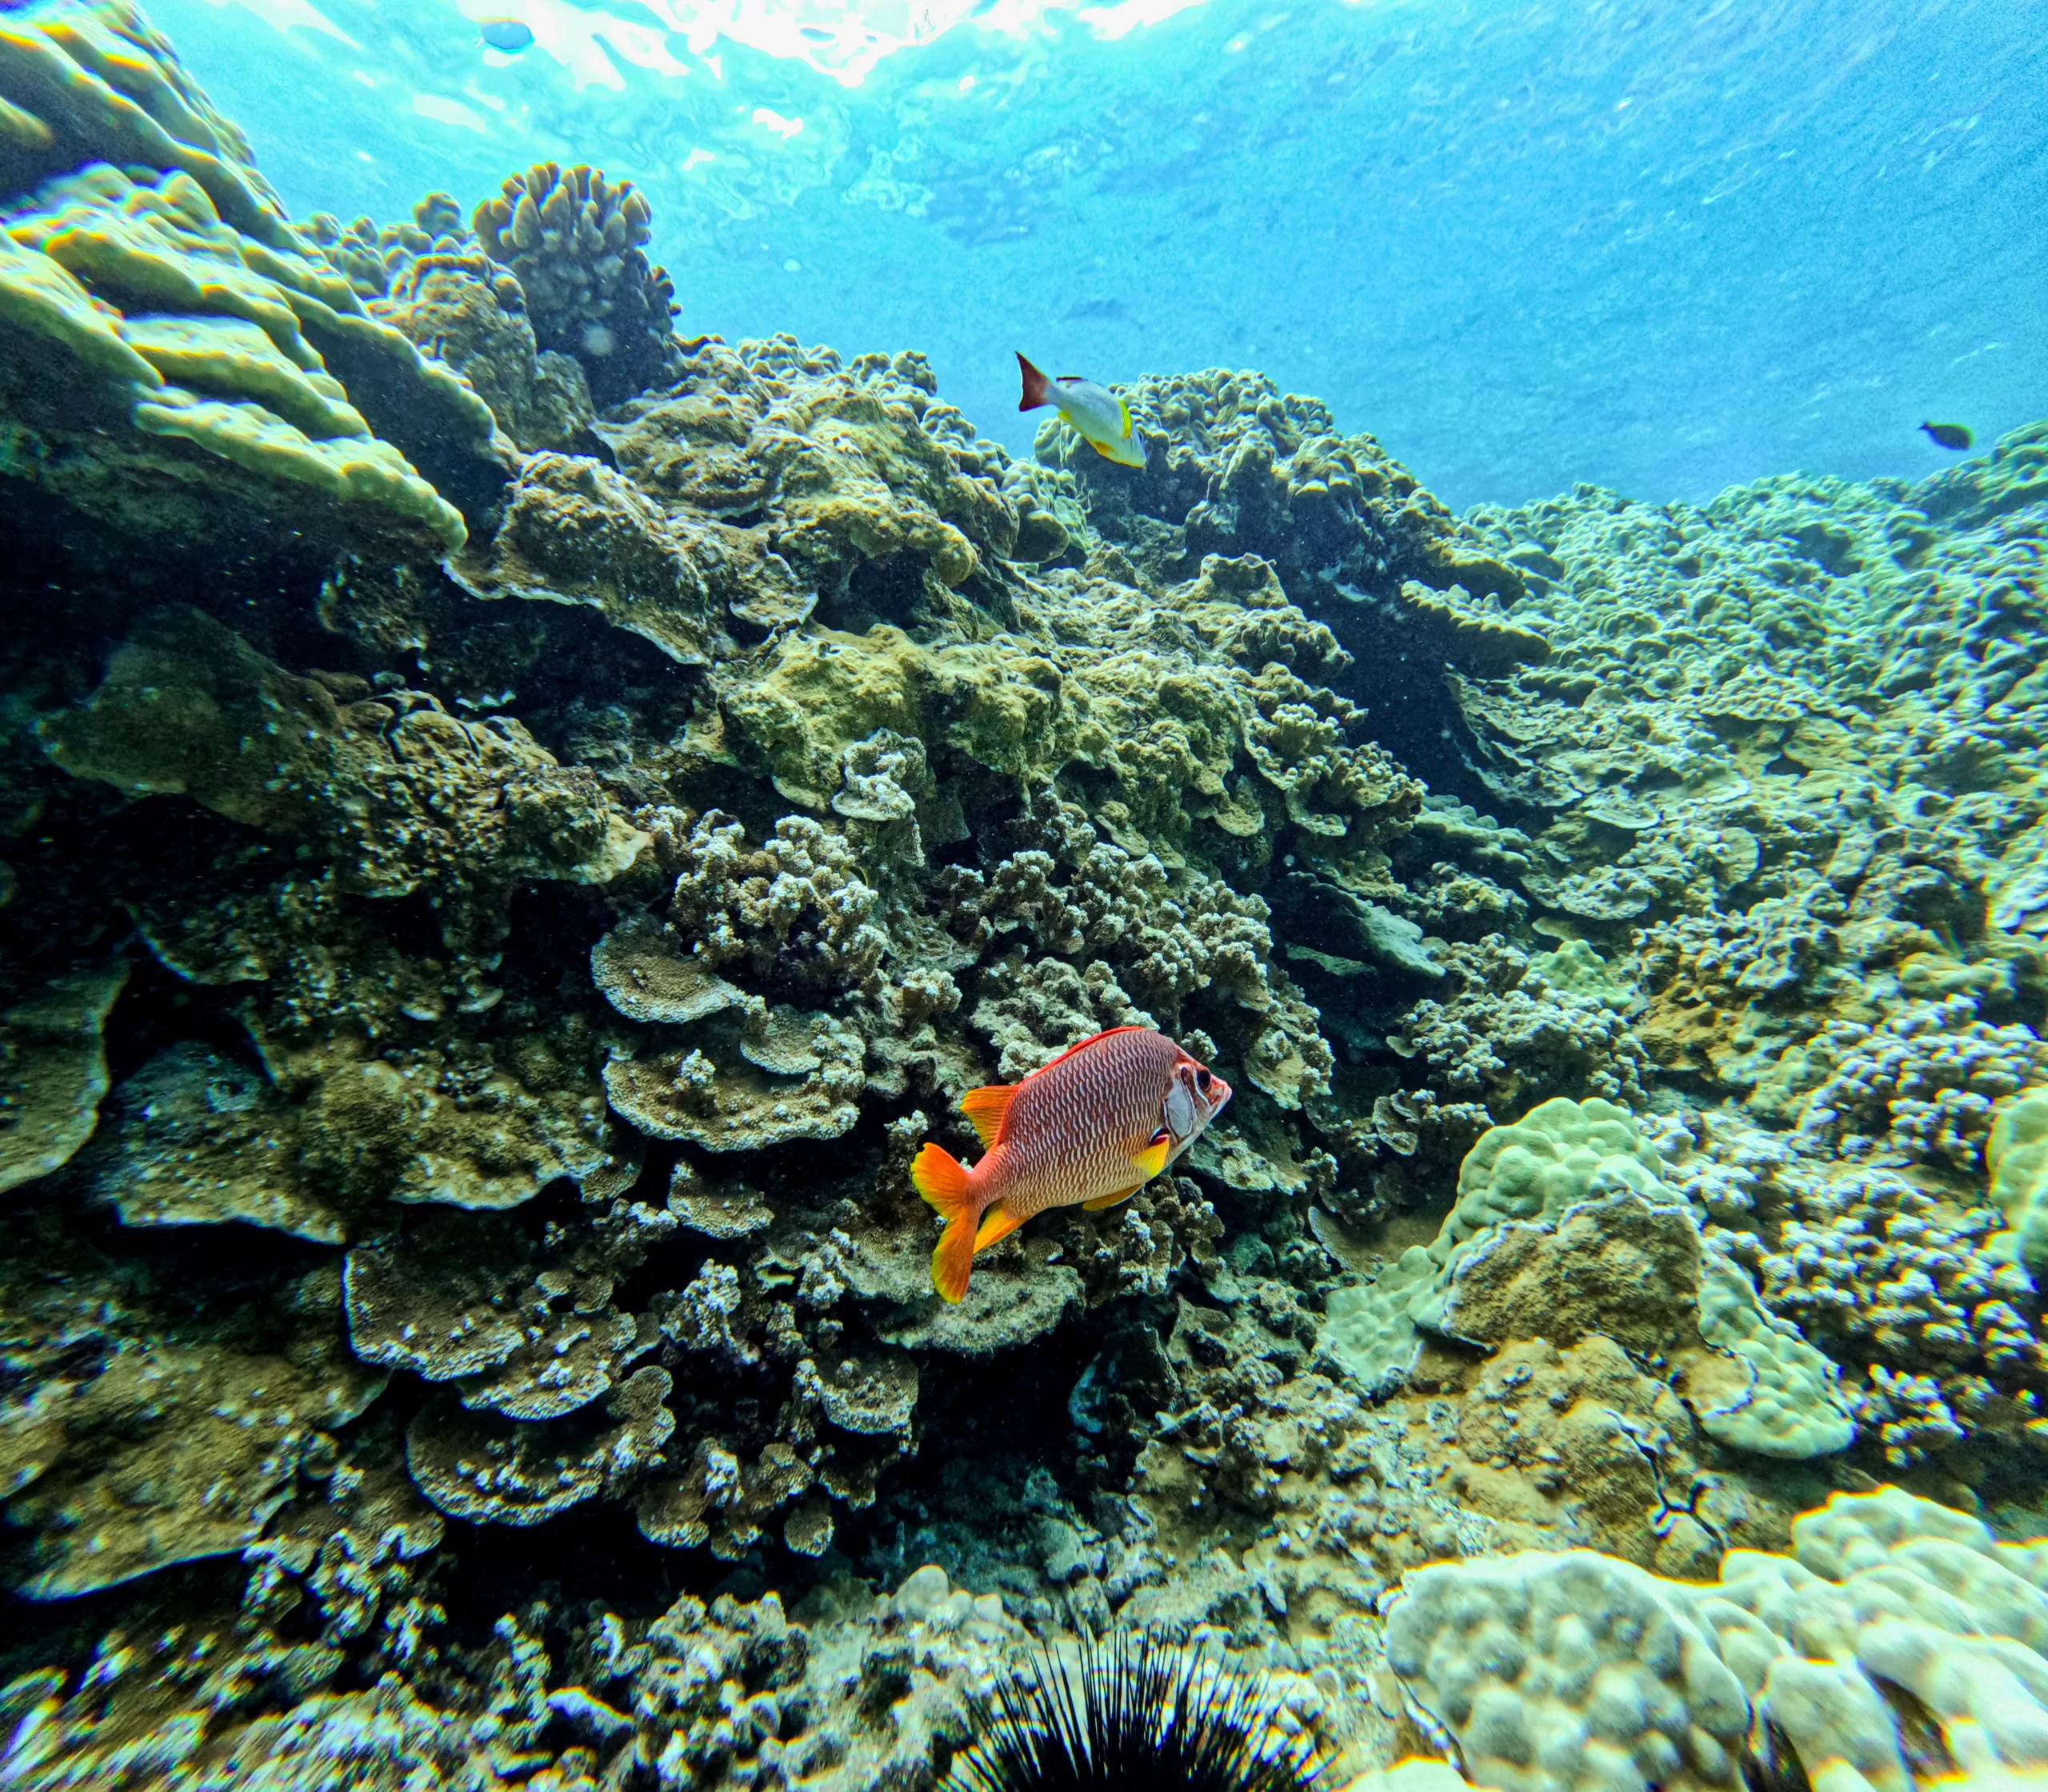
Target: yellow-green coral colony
(486, 927)
(573, 240)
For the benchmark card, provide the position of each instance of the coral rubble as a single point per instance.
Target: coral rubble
(516, 825)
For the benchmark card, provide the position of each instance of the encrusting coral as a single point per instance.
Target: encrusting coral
(478, 968)
(141, 253)
(1898, 1644)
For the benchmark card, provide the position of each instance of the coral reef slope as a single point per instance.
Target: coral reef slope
(515, 827)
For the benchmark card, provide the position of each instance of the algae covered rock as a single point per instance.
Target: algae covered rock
(577, 532)
(1518, 1185)
(52, 1071)
(401, 791)
(1564, 1226)
(197, 1139)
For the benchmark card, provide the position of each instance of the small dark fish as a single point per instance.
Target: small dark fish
(510, 35)
(1948, 435)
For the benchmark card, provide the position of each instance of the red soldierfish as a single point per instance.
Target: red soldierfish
(1092, 1127)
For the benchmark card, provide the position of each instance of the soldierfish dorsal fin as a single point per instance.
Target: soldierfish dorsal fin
(1082, 1045)
(985, 1107)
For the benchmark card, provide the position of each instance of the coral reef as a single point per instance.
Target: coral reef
(431, 280)
(514, 827)
(1929, 1668)
(574, 240)
(246, 390)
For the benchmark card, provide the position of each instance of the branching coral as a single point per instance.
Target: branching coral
(793, 909)
(1919, 1087)
(574, 240)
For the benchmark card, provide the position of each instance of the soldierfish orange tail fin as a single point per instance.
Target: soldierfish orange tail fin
(1037, 388)
(941, 1179)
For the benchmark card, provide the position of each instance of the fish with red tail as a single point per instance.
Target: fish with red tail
(1089, 1129)
(1095, 414)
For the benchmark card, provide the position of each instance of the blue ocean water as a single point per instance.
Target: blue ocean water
(1660, 247)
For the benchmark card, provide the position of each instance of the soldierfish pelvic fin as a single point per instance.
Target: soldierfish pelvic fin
(997, 1223)
(941, 1179)
(1037, 388)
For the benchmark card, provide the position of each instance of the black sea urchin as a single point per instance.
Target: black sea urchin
(1136, 1711)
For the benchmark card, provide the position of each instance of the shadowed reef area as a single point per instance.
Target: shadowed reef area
(516, 824)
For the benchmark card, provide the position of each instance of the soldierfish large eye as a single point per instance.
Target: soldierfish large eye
(1202, 1079)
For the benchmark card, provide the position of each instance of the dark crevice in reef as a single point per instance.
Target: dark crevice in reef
(884, 592)
(159, 1009)
(482, 941)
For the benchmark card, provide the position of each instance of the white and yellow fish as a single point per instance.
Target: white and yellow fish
(1099, 417)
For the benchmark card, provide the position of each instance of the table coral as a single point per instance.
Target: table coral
(461, 1298)
(480, 1465)
(788, 1075)
(53, 1071)
(160, 1430)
